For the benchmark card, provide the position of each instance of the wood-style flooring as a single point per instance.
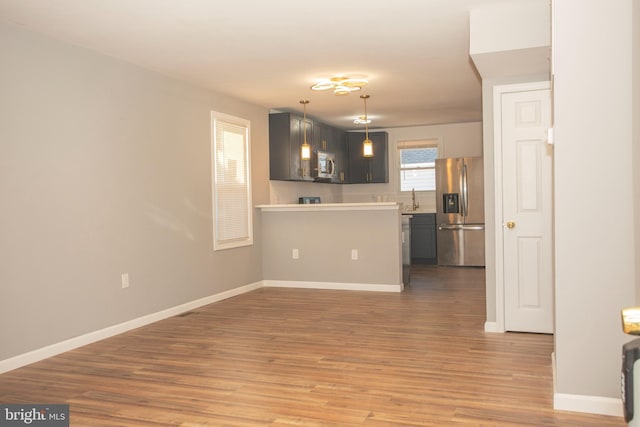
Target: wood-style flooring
(285, 357)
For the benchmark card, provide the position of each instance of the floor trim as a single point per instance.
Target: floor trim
(334, 285)
(588, 404)
(492, 327)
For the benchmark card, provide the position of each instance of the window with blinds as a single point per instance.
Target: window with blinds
(418, 165)
(230, 149)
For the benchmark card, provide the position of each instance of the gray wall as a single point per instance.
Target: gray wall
(325, 239)
(597, 134)
(636, 137)
(104, 169)
(594, 184)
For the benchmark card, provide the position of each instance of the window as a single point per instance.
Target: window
(417, 165)
(230, 147)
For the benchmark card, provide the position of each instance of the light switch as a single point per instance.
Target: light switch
(295, 254)
(354, 254)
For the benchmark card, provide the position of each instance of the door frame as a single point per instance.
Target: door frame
(498, 91)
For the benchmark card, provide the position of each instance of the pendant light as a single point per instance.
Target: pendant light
(305, 150)
(367, 144)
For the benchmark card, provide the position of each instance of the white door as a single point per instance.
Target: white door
(527, 211)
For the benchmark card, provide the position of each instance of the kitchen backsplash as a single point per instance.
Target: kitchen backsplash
(286, 192)
(426, 200)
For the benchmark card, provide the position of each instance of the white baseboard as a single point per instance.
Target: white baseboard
(492, 327)
(333, 285)
(589, 404)
(582, 403)
(73, 343)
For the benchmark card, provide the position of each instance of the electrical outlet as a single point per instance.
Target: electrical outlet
(295, 254)
(125, 280)
(354, 254)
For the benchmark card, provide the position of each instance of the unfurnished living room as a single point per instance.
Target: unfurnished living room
(409, 213)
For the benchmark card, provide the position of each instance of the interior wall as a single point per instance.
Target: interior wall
(593, 132)
(104, 170)
(510, 38)
(636, 137)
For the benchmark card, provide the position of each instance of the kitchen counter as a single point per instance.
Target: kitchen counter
(350, 246)
(418, 211)
(330, 207)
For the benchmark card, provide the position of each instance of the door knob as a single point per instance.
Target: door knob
(511, 224)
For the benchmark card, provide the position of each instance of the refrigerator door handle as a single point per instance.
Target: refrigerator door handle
(460, 227)
(465, 192)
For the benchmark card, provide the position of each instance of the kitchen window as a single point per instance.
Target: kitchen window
(231, 182)
(417, 165)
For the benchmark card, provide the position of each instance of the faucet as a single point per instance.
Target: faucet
(414, 205)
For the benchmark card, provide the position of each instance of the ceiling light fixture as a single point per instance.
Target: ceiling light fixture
(367, 144)
(340, 85)
(305, 149)
(361, 120)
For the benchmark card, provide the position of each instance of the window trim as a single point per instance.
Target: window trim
(418, 143)
(216, 118)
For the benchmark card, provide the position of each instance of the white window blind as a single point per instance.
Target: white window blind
(230, 148)
(417, 165)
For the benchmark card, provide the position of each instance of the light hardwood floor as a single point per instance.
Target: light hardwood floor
(282, 357)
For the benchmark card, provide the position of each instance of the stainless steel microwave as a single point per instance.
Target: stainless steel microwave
(325, 165)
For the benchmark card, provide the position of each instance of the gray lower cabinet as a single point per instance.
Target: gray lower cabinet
(423, 239)
(363, 170)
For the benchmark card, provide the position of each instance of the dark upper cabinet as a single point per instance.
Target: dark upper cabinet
(286, 135)
(423, 239)
(335, 141)
(368, 170)
(341, 149)
(321, 136)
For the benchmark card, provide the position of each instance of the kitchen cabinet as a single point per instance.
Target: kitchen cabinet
(342, 155)
(336, 142)
(368, 169)
(423, 239)
(286, 135)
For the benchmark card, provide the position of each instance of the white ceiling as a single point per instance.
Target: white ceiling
(415, 53)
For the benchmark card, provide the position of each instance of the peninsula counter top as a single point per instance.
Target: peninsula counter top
(330, 207)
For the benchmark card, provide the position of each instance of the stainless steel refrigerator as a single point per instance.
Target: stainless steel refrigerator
(460, 211)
